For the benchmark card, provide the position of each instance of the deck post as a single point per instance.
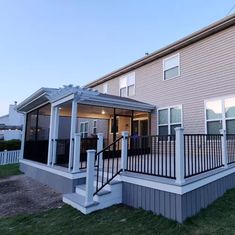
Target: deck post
(50, 139)
(100, 146)
(124, 150)
(72, 131)
(90, 177)
(23, 137)
(224, 148)
(55, 125)
(76, 152)
(179, 155)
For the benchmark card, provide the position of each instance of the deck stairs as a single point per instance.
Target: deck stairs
(109, 195)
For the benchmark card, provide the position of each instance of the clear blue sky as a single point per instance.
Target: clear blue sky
(51, 43)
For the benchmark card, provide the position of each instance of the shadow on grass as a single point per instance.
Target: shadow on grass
(217, 219)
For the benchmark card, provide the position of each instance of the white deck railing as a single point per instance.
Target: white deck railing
(9, 157)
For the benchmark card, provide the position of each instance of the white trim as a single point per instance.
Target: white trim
(53, 170)
(170, 186)
(105, 88)
(94, 127)
(37, 107)
(23, 137)
(127, 84)
(169, 124)
(84, 132)
(63, 100)
(163, 66)
(223, 118)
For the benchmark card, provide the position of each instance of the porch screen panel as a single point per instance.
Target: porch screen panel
(37, 134)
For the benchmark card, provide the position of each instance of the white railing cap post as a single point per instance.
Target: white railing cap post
(179, 155)
(222, 131)
(90, 176)
(224, 148)
(100, 135)
(124, 150)
(125, 133)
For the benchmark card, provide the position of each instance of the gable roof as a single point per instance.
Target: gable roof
(82, 96)
(192, 38)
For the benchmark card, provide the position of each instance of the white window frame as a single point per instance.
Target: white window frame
(163, 66)
(94, 127)
(127, 83)
(105, 88)
(84, 132)
(169, 124)
(223, 118)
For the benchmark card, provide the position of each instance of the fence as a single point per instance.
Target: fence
(9, 157)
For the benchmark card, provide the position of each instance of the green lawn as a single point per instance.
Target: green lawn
(9, 170)
(218, 218)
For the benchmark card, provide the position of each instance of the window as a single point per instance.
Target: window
(84, 129)
(94, 127)
(220, 114)
(168, 119)
(105, 88)
(112, 127)
(127, 85)
(171, 67)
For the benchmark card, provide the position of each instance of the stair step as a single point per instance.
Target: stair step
(81, 189)
(78, 201)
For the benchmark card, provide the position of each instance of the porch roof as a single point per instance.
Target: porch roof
(82, 96)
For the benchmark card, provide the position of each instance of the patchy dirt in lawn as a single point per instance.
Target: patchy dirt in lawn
(21, 194)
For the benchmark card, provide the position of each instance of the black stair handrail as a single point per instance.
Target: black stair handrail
(109, 155)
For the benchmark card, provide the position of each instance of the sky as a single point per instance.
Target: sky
(51, 43)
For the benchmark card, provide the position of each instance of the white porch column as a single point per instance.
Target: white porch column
(100, 146)
(77, 151)
(90, 177)
(50, 141)
(124, 150)
(72, 132)
(23, 137)
(224, 148)
(179, 155)
(55, 129)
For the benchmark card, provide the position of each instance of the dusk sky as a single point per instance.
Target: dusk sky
(51, 43)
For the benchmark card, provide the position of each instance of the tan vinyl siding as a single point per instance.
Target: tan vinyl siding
(207, 70)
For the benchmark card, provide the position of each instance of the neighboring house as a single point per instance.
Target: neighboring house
(11, 124)
(165, 128)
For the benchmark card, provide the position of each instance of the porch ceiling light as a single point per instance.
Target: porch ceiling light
(102, 112)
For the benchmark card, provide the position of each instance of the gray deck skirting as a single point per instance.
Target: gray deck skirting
(174, 206)
(59, 183)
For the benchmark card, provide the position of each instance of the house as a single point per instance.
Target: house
(158, 134)
(11, 124)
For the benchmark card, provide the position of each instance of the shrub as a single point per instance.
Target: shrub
(9, 144)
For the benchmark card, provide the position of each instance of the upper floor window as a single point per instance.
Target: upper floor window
(127, 85)
(105, 88)
(168, 119)
(220, 114)
(171, 67)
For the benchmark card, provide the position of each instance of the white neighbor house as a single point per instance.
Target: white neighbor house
(11, 124)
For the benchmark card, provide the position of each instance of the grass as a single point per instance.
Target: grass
(9, 170)
(216, 219)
